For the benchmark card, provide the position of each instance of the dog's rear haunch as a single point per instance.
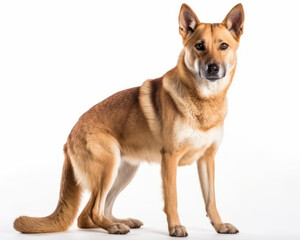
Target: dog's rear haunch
(174, 120)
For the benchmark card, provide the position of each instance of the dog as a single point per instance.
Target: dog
(173, 120)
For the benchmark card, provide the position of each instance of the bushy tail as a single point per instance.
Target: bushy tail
(65, 212)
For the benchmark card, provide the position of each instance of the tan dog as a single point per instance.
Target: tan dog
(173, 120)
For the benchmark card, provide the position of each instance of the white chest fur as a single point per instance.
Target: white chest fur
(196, 141)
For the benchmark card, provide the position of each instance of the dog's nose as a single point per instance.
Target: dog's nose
(212, 69)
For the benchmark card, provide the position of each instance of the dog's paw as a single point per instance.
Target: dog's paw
(118, 228)
(178, 231)
(225, 228)
(132, 223)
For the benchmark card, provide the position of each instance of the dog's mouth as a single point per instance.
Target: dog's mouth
(211, 78)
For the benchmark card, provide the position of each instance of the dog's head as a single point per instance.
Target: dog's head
(210, 49)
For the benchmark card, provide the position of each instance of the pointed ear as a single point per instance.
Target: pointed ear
(188, 21)
(234, 21)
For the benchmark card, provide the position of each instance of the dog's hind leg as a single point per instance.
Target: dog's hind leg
(84, 220)
(99, 166)
(125, 175)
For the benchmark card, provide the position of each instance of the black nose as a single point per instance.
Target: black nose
(212, 69)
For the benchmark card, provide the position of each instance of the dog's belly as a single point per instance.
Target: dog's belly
(146, 154)
(142, 157)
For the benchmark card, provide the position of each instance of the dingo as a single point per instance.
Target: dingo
(174, 120)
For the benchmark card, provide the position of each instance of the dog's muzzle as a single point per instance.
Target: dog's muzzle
(212, 72)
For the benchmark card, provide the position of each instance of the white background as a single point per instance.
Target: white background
(59, 58)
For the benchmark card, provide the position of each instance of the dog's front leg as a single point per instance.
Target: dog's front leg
(169, 172)
(206, 171)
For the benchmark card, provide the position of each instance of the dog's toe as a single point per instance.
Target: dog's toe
(225, 228)
(178, 231)
(118, 228)
(133, 223)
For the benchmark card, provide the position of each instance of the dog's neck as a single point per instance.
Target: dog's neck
(184, 89)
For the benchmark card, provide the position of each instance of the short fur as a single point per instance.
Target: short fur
(173, 120)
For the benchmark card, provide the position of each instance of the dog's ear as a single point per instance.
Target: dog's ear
(234, 21)
(188, 21)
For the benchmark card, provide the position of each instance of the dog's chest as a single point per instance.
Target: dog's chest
(195, 141)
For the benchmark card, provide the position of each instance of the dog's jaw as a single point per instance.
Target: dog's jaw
(208, 88)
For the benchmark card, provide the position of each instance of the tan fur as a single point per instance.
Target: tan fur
(173, 120)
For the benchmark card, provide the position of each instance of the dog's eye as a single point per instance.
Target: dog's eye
(224, 46)
(200, 46)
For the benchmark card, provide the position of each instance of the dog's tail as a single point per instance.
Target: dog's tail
(66, 210)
